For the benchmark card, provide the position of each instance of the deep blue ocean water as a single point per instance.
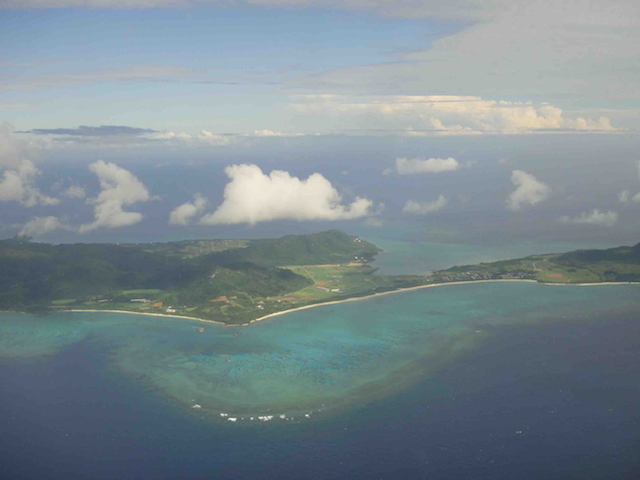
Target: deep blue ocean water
(551, 392)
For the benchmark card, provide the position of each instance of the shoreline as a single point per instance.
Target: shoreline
(599, 284)
(407, 289)
(418, 287)
(79, 310)
(352, 299)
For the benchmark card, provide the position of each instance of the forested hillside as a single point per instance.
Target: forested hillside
(36, 274)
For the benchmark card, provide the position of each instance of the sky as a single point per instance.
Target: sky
(149, 120)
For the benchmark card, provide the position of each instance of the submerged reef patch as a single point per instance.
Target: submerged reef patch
(291, 367)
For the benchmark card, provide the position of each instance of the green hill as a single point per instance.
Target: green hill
(615, 255)
(36, 275)
(33, 273)
(330, 247)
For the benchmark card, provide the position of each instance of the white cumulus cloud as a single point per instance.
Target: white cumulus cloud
(19, 185)
(624, 196)
(529, 190)
(253, 196)
(119, 187)
(422, 208)
(411, 166)
(40, 225)
(17, 182)
(75, 191)
(595, 217)
(183, 214)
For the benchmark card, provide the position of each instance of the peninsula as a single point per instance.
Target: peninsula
(236, 282)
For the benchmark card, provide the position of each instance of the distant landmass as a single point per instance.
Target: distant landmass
(621, 264)
(237, 281)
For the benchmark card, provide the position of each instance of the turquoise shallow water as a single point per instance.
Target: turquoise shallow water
(312, 362)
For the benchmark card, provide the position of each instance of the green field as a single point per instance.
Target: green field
(64, 301)
(142, 292)
(332, 281)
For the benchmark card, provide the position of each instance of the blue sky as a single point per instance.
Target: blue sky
(238, 69)
(197, 68)
(123, 119)
(207, 39)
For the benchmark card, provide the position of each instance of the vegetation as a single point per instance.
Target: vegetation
(188, 248)
(225, 280)
(330, 247)
(236, 281)
(621, 264)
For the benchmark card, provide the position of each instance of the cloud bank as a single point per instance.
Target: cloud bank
(119, 188)
(529, 190)
(271, 133)
(411, 166)
(444, 115)
(204, 138)
(595, 217)
(580, 48)
(183, 214)
(423, 208)
(253, 196)
(424, 8)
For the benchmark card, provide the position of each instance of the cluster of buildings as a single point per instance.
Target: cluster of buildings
(466, 276)
(328, 290)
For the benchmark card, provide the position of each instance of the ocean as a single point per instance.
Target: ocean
(485, 381)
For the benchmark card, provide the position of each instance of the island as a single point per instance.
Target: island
(238, 282)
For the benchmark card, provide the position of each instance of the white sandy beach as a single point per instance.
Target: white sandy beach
(150, 314)
(408, 289)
